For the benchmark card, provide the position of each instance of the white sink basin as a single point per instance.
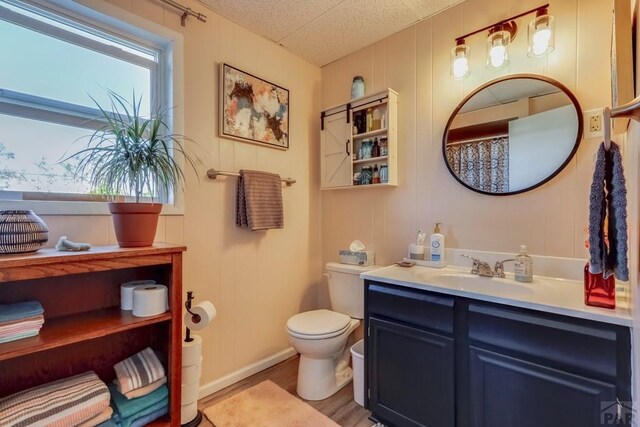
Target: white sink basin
(471, 282)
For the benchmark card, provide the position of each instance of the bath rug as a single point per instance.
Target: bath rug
(265, 405)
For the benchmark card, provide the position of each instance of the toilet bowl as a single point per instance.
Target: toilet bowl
(320, 336)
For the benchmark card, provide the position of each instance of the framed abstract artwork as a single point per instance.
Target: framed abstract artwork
(252, 109)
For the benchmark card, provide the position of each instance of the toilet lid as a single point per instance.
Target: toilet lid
(318, 322)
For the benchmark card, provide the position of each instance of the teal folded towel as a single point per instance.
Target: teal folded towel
(127, 408)
(109, 423)
(20, 310)
(152, 416)
(19, 336)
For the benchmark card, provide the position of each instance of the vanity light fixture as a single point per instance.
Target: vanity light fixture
(541, 38)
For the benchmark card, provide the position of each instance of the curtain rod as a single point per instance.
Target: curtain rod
(186, 11)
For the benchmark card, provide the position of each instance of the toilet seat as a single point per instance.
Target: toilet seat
(318, 324)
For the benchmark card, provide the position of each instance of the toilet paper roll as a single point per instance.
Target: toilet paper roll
(192, 351)
(190, 393)
(188, 412)
(149, 300)
(205, 312)
(126, 292)
(191, 374)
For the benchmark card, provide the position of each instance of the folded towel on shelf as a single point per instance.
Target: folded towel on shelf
(104, 416)
(21, 326)
(138, 371)
(143, 420)
(20, 310)
(66, 402)
(608, 200)
(259, 201)
(127, 408)
(109, 423)
(19, 321)
(143, 391)
(19, 336)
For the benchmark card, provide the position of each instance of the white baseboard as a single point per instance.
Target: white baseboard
(247, 371)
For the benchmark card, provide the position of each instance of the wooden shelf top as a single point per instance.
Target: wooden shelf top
(371, 160)
(52, 256)
(376, 132)
(75, 328)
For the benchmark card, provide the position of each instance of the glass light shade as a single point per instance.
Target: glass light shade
(541, 36)
(498, 50)
(460, 62)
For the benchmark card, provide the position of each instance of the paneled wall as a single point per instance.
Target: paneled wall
(551, 219)
(257, 280)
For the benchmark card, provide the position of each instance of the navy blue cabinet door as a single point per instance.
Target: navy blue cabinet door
(411, 376)
(507, 391)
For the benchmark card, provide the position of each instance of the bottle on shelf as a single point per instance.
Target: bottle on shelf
(377, 119)
(375, 177)
(369, 119)
(384, 174)
(384, 147)
(357, 87)
(375, 150)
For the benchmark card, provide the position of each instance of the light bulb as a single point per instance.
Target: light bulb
(541, 41)
(497, 56)
(460, 67)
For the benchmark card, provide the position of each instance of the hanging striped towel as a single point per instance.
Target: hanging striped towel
(259, 202)
(138, 371)
(66, 402)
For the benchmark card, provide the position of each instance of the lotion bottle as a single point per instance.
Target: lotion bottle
(524, 266)
(436, 245)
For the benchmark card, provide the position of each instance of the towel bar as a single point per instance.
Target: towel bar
(213, 174)
(630, 110)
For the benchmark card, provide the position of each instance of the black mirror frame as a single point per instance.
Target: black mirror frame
(549, 80)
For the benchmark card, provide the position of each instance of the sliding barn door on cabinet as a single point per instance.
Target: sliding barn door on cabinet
(336, 151)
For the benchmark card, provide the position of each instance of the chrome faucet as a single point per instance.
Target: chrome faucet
(499, 268)
(480, 268)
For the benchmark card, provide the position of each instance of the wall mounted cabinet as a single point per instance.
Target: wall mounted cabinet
(438, 360)
(347, 138)
(84, 328)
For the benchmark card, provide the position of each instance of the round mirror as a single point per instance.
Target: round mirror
(512, 134)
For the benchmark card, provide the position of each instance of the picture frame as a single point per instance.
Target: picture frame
(252, 109)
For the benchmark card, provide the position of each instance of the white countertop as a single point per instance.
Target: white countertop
(546, 294)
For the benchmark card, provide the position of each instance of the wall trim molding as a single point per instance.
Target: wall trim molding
(245, 372)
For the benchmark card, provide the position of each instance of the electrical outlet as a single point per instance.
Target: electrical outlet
(593, 124)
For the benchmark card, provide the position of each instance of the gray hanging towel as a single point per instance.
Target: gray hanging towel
(259, 201)
(608, 200)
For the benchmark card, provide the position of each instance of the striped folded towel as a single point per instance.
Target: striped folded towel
(63, 403)
(20, 310)
(19, 336)
(259, 200)
(22, 326)
(143, 391)
(138, 371)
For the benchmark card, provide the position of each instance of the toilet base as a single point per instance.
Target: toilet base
(321, 378)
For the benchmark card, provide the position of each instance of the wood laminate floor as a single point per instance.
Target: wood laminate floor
(340, 407)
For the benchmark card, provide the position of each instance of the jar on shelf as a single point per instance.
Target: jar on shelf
(384, 147)
(357, 87)
(366, 174)
(377, 119)
(384, 174)
(375, 176)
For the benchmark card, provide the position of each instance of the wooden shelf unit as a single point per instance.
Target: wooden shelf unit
(84, 327)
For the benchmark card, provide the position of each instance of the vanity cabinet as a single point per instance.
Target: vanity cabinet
(341, 141)
(436, 360)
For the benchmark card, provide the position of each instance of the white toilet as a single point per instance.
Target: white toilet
(320, 336)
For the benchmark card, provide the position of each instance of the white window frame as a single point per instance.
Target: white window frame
(111, 20)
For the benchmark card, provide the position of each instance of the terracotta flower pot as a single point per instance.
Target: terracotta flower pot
(135, 224)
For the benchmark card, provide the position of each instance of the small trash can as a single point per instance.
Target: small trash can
(357, 358)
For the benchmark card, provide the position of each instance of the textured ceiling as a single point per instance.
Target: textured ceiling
(326, 30)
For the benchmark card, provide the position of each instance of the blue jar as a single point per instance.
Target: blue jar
(384, 174)
(357, 87)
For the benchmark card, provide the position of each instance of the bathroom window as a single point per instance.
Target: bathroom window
(54, 67)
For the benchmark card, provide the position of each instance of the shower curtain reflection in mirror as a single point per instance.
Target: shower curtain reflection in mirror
(481, 164)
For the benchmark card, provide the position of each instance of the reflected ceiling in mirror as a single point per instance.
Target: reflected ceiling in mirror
(512, 134)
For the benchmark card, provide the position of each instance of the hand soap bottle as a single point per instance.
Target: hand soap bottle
(524, 266)
(436, 245)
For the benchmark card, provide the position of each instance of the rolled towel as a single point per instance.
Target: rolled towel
(66, 402)
(138, 371)
(20, 310)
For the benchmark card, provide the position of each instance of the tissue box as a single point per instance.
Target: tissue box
(362, 258)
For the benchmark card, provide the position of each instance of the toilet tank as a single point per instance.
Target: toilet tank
(346, 288)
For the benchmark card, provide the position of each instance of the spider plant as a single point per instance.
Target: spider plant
(132, 153)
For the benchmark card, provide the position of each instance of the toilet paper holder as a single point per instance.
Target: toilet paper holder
(194, 316)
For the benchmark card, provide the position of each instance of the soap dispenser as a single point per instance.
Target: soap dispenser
(524, 266)
(436, 244)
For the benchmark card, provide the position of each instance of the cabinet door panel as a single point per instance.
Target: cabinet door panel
(411, 376)
(336, 149)
(507, 392)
